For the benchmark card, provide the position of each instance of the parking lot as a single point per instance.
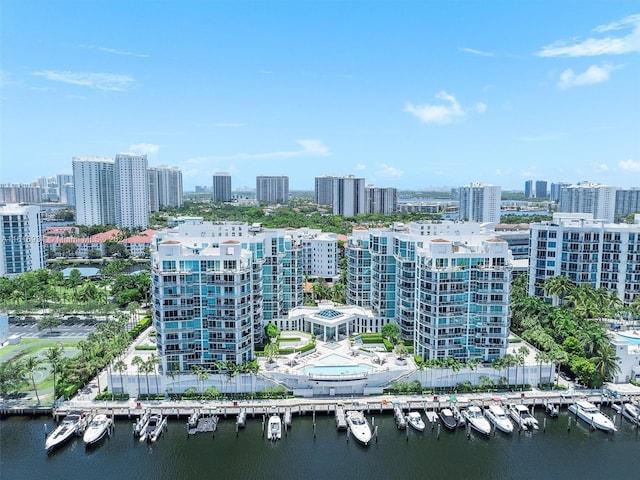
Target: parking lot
(30, 330)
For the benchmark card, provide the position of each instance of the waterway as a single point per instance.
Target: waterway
(554, 453)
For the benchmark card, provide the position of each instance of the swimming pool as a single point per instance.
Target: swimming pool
(335, 364)
(336, 369)
(632, 337)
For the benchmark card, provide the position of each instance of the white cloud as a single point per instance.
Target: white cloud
(145, 148)
(599, 167)
(360, 167)
(122, 52)
(387, 171)
(310, 147)
(441, 114)
(591, 76)
(591, 47)
(481, 107)
(629, 165)
(101, 81)
(475, 52)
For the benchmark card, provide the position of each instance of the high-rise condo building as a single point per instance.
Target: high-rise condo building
(94, 190)
(587, 197)
(382, 200)
(20, 193)
(164, 187)
(556, 189)
(221, 187)
(480, 203)
(627, 201)
(349, 196)
(324, 189)
(586, 250)
(272, 189)
(131, 190)
(21, 239)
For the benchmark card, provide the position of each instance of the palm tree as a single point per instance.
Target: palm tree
(523, 351)
(559, 357)
(154, 361)
(147, 367)
(54, 356)
(31, 365)
(558, 287)
(606, 363)
(120, 366)
(593, 338)
(201, 373)
(541, 357)
(138, 362)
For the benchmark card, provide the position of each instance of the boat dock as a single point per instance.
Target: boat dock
(341, 419)
(207, 424)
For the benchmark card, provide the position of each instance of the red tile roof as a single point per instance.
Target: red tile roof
(97, 238)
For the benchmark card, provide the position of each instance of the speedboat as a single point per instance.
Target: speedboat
(590, 414)
(415, 420)
(274, 427)
(474, 416)
(97, 429)
(359, 426)
(154, 428)
(448, 418)
(72, 424)
(193, 420)
(522, 416)
(458, 416)
(631, 412)
(496, 415)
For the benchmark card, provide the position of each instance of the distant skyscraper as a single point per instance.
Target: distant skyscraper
(21, 239)
(382, 200)
(20, 193)
(221, 187)
(94, 190)
(541, 189)
(480, 203)
(165, 187)
(528, 189)
(324, 189)
(556, 188)
(585, 197)
(131, 197)
(349, 196)
(272, 189)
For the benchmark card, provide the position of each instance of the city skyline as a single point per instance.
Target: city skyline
(403, 94)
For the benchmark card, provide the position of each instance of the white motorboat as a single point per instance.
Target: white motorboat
(473, 415)
(274, 428)
(496, 415)
(154, 428)
(415, 420)
(522, 417)
(631, 411)
(97, 429)
(590, 414)
(359, 426)
(72, 424)
(193, 420)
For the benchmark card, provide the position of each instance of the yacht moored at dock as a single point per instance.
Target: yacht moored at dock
(359, 426)
(401, 421)
(522, 417)
(415, 420)
(589, 413)
(74, 423)
(473, 415)
(274, 428)
(496, 415)
(99, 427)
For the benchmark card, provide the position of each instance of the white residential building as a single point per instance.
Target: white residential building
(480, 203)
(131, 190)
(324, 189)
(586, 251)
(382, 200)
(94, 190)
(593, 198)
(21, 239)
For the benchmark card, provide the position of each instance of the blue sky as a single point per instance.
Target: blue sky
(404, 93)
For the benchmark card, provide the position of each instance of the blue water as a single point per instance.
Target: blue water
(631, 340)
(336, 369)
